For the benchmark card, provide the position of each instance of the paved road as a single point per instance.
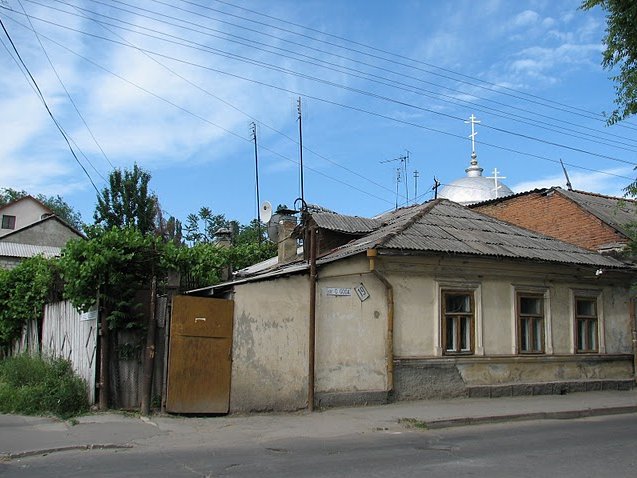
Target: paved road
(591, 447)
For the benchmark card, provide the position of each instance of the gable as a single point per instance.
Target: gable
(587, 220)
(50, 231)
(24, 211)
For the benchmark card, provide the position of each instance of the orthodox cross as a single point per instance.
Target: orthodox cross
(495, 178)
(473, 120)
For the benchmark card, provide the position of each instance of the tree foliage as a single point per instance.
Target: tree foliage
(55, 203)
(203, 226)
(621, 51)
(24, 291)
(127, 202)
(115, 264)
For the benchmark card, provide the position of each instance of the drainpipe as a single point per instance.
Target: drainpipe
(634, 334)
(312, 334)
(389, 343)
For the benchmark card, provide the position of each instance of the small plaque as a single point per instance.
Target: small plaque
(339, 291)
(361, 292)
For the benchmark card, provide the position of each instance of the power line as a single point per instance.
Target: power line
(352, 89)
(334, 103)
(493, 87)
(67, 91)
(47, 106)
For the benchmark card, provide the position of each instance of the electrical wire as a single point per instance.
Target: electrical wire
(361, 92)
(35, 84)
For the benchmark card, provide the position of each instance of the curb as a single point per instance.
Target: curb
(560, 415)
(46, 451)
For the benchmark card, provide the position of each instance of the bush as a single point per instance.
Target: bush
(41, 386)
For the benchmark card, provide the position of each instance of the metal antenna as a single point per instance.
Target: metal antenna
(569, 186)
(253, 131)
(301, 147)
(404, 160)
(416, 176)
(435, 187)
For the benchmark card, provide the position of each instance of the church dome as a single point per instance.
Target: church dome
(474, 187)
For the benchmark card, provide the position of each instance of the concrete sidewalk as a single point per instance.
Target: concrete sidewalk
(26, 436)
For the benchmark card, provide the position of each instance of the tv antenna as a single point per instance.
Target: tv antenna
(569, 186)
(401, 171)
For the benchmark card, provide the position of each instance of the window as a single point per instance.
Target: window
(586, 325)
(8, 222)
(530, 326)
(457, 321)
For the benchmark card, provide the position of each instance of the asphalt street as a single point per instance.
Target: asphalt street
(585, 447)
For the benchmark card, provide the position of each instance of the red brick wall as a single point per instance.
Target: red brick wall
(555, 216)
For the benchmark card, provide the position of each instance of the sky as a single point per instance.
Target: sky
(174, 86)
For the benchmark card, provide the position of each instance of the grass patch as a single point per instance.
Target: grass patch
(413, 423)
(34, 385)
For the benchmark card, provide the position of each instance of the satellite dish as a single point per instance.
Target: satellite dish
(265, 212)
(273, 228)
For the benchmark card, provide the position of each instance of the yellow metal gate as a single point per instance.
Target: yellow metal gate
(200, 355)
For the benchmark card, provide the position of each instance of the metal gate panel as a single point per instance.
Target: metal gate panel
(200, 357)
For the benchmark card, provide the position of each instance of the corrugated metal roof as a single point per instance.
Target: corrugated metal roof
(445, 226)
(13, 249)
(616, 212)
(346, 224)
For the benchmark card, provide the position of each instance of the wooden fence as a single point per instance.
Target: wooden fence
(72, 335)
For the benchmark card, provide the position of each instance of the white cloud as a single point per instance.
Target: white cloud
(525, 19)
(605, 182)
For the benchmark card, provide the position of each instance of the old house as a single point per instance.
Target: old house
(433, 300)
(29, 228)
(592, 221)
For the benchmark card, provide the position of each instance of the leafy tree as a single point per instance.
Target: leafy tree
(202, 227)
(127, 201)
(55, 203)
(23, 292)
(621, 50)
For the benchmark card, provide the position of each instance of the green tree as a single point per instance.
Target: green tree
(202, 227)
(55, 203)
(127, 201)
(621, 51)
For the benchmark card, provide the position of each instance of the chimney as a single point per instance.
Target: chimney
(287, 243)
(223, 238)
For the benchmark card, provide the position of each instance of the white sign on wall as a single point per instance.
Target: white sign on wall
(338, 291)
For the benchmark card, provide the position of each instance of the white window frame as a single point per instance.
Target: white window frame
(460, 286)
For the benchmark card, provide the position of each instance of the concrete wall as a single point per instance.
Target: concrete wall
(424, 371)
(26, 211)
(270, 354)
(270, 345)
(47, 233)
(351, 335)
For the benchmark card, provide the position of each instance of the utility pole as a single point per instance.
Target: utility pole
(301, 148)
(253, 131)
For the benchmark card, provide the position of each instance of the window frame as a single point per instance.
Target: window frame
(457, 316)
(587, 319)
(10, 221)
(520, 317)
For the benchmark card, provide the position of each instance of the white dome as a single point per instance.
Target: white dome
(474, 187)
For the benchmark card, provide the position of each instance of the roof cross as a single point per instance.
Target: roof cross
(473, 120)
(495, 178)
